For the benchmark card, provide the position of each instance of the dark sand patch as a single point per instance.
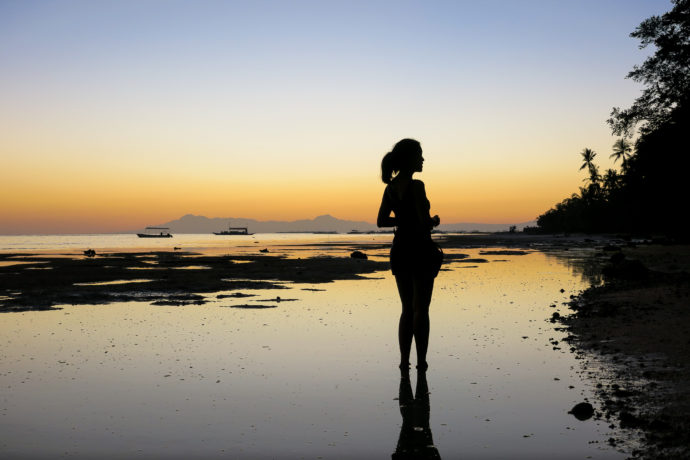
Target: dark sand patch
(448, 257)
(252, 307)
(275, 299)
(181, 300)
(234, 295)
(503, 253)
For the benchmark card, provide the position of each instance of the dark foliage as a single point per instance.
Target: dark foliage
(665, 74)
(649, 193)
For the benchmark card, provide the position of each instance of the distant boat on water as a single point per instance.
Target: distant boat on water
(155, 232)
(234, 231)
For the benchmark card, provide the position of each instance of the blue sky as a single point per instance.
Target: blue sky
(295, 99)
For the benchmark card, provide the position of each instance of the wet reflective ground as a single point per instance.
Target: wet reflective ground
(314, 377)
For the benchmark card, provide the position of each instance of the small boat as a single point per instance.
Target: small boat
(234, 231)
(155, 232)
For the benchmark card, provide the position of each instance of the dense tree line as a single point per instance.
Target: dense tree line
(648, 194)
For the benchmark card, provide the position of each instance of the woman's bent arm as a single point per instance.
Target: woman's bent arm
(384, 218)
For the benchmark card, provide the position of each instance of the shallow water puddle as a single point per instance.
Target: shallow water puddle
(192, 267)
(313, 377)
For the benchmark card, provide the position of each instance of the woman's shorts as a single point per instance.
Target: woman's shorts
(421, 258)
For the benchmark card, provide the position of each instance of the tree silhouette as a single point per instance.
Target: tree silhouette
(622, 149)
(611, 181)
(666, 73)
(587, 158)
(588, 162)
(649, 194)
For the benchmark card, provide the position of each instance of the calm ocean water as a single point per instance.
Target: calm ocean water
(202, 242)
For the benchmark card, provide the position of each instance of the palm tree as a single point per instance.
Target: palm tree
(588, 157)
(611, 180)
(594, 175)
(622, 149)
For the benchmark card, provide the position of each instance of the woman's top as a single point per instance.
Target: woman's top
(410, 226)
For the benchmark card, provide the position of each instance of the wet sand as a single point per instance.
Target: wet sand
(41, 281)
(633, 335)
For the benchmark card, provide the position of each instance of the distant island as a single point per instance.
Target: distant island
(200, 224)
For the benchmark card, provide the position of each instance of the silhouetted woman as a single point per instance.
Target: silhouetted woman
(415, 258)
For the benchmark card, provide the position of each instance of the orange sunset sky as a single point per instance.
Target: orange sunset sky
(118, 115)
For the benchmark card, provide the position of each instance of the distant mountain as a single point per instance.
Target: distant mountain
(326, 223)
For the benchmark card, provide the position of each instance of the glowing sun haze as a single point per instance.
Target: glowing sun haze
(117, 115)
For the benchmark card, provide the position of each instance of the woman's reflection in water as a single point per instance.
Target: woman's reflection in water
(415, 441)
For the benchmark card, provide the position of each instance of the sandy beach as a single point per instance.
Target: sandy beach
(633, 332)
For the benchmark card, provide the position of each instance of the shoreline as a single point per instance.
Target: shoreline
(632, 335)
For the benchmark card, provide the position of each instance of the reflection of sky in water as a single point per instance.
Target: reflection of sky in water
(9, 263)
(107, 283)
(312, 377)
(207, 243)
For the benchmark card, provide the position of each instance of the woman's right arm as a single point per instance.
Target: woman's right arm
(384, 218)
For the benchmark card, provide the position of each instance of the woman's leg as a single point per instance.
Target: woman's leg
(405, 326)
(421, 299)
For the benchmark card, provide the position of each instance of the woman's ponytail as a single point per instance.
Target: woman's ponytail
(387, 168)
(398, 158)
